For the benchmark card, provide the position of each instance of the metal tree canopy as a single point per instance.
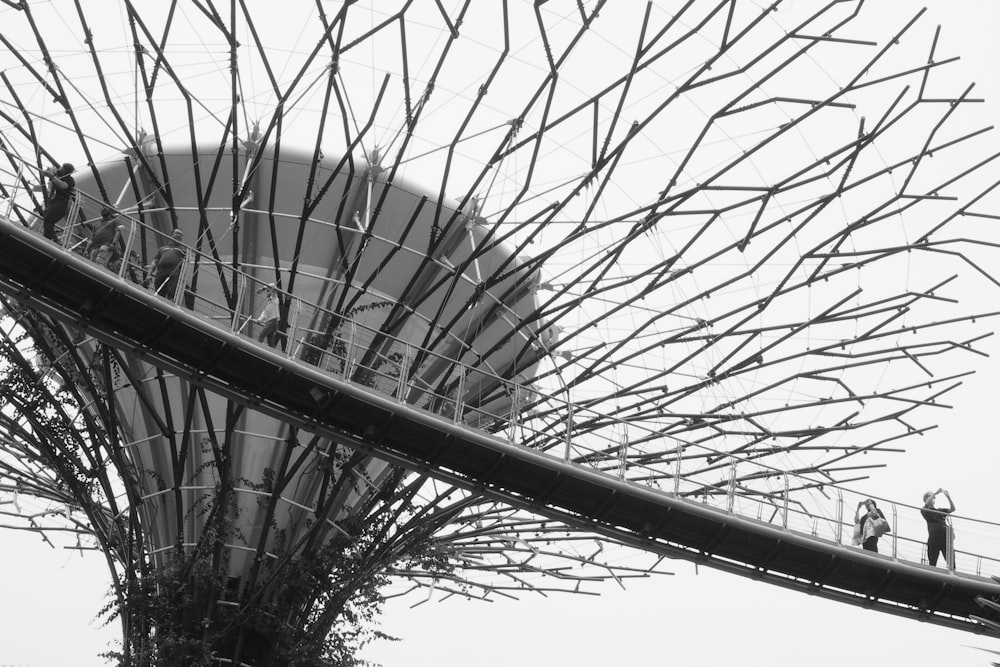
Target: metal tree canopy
(703, 248)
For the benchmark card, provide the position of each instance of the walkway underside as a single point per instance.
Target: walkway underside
(122, 314)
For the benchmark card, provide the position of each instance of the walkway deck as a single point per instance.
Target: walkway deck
(123, 314)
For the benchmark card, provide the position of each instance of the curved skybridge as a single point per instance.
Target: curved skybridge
(485, 432)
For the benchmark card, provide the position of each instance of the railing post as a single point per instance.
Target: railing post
(349, 351)
(840, 516)
(677, 469)
(181, 286)
(569, 429)
(623, 454)
(13, 192)
(240, 283)
(950, 544)
(515, 413)
(404, 370)
(127, 252)
(895, 533)
(293, 324)
(731, 491)
(784, 509)
(460, 396)
(71, 215)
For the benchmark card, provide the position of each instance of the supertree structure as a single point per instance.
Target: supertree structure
(655, 243)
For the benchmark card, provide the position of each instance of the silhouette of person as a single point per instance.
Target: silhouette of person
(166, 265)
(868, 530)
(939, 538)
(61, 193)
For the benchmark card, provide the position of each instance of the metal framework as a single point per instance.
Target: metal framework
(721, 260)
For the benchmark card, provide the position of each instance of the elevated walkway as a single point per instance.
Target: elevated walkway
(434, 435)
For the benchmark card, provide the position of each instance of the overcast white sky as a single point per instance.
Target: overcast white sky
(697, 617)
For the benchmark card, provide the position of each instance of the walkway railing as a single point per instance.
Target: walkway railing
(523, 415)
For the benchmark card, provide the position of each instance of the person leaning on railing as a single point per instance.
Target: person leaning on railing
(939, 538)
(166, 265)
(62, 188)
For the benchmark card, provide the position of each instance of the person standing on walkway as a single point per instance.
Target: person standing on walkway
(269, 317)
(940, 540)
(166, 265)
(62, 186)
(869, 526)
(106, 240)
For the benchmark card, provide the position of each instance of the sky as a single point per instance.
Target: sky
(695, 617)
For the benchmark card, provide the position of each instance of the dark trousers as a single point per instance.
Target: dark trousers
(269, 333)
(170, 288)
(937, 543)
(871, 544)
(54, 212)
